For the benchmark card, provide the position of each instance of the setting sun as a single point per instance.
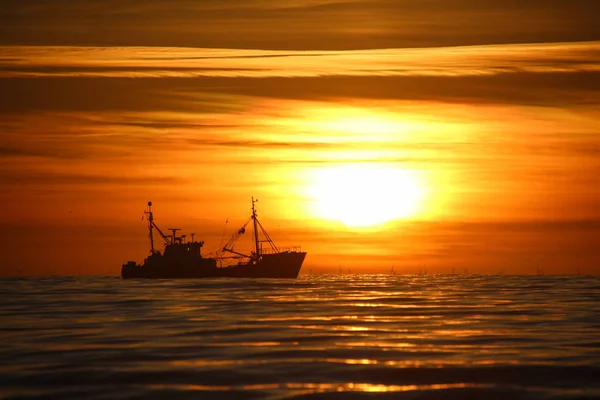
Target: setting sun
(366, 195)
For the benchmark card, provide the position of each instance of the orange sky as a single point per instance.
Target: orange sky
(475, 149)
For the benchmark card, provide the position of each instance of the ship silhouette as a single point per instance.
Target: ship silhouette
(184, 260)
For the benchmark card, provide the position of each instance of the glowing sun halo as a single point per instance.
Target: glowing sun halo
(366, 195)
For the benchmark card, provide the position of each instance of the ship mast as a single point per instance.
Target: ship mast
(150, 225)
(257, 253)
(255, 228)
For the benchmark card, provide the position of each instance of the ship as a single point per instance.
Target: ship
(183, 259)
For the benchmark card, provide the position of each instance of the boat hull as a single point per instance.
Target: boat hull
(285, 265)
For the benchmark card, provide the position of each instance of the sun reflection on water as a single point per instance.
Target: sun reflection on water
(323, 387)
(306, 336)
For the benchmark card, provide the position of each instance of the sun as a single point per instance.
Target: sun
(366, 194)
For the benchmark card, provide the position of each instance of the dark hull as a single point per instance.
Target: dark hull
(280, 265)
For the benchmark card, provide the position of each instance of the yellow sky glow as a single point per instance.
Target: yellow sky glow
(365, 195)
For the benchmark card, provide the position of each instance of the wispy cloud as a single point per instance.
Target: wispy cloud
(151, 62)
(292, 24)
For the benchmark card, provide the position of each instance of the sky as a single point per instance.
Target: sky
(434, 135)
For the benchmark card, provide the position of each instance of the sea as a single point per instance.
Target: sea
(315, 337)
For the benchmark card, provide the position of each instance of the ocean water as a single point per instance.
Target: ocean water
(329, 337)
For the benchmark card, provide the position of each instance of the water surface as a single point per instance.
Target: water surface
(332, 337)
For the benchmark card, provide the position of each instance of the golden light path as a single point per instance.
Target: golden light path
(366, 194)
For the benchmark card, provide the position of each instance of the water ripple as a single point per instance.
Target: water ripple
(332, 337)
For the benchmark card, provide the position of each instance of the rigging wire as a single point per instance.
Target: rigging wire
(223, 235)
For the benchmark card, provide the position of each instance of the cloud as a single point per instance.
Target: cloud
(291, 24)
(148, 62)
(65, 79)
(41, 178)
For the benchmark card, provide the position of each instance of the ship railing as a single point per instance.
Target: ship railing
(293, 249)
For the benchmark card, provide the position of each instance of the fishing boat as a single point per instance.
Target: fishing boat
(183, 259)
